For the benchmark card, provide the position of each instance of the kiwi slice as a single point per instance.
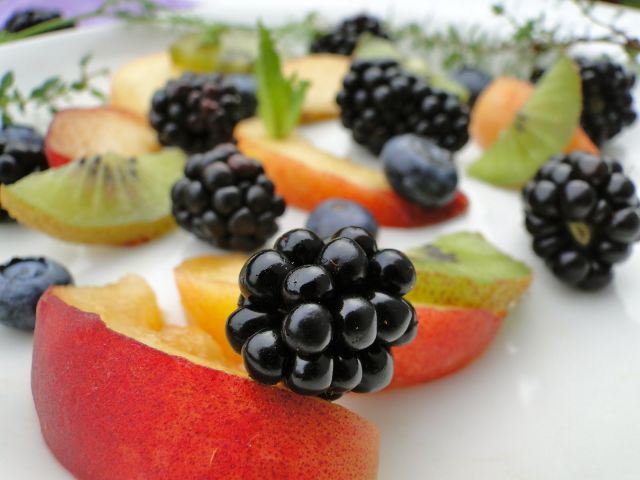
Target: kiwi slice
(464, 270)
(230, 51)
(542, 128)
(106, 199)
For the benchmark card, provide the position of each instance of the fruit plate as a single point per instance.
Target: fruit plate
(554, 397)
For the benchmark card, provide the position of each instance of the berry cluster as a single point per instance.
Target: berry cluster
(322, 317)
(607, 104)
(21, 153)
(584, 216)
(379, 101)
(196, 112)
(226, 199)
(343, 39)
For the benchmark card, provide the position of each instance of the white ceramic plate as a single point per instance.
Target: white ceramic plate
(555, 397)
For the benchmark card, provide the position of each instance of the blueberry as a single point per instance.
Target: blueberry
(22, 283)
(473, 79)
(334, 214)
(420, 171)
(246, 86)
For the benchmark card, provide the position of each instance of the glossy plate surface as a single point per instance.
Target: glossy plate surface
(555, 397)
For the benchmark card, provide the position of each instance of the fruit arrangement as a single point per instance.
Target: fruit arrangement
(215, 135)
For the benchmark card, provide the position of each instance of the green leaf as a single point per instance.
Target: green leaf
(6, 82)
(280, 99)
(542, 128)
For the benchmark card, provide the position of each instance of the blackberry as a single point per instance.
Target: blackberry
(196, 112)
(322, 316)
(343, 39)
(379, 100)
(23, 19)
(21, 153)
(607, 99)
(584, 216)
(226, 199)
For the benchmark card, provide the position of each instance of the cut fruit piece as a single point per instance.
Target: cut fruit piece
(209, 291)
(448, 339)
(306, 176)
(134, 83)
(85, 132)
(324, 72)
(498, 105)
(106, 200)
(155, 407)
(543, 127)
(464, 270)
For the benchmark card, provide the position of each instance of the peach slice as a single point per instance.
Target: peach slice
(306, 176)
(324, 73)
(497, 106)
(448, 339)
(134, 83)
(85, 132)
(120, 395)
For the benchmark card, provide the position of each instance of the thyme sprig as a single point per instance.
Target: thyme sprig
(50, 94)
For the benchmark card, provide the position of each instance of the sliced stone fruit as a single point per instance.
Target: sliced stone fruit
(108, 199)
(306, 176)
(85, 132)
(324, 72)
(119, 394)
(464, 270)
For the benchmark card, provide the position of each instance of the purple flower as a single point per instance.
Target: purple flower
(70, 8)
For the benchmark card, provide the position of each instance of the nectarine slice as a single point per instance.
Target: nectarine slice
(119, 395)
(324, 72)
(85, 132)
(306, 176)
(448, 339)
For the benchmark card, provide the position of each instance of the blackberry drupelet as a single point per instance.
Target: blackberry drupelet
(23, 19)
(21, 153)
(227, 200)
(584, 216)
(607, 99)
(196, 112)
(322, 316)
(343, 39)
(379, 101)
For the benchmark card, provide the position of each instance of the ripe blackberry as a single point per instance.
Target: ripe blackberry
(584, 216)
(23, 19)
(607, 99)
(21, 153)
(343, 39)
(607, 105)
(226, 199)
(196, 112)
(323, 316)
(379, 101)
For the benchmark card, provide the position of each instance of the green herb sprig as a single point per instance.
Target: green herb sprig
(280, 99)
(49, 94)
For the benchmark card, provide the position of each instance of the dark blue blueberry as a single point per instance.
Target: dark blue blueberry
(420, 171)
(247, 88)
(336, 213)
(473, 79)
(22, 283)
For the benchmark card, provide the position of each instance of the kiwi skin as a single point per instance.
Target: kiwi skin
(122, 232)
